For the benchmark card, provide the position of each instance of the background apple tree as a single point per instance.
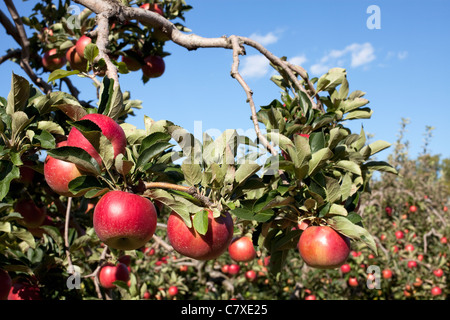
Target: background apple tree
(305, 169)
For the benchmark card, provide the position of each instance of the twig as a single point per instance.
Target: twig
(66, 235)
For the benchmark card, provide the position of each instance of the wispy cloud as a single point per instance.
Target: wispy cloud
(268, 38)
(356, 55)
(298, 60)
(254, 66)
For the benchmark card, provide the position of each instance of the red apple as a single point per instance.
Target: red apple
(324, 248)
(409, 247)
(5, 284)
(58, 174)
(154, 66)
(76, 62)
(153, 7)
(310, 297)
(24, 291)
(125, 259)
(26, 173)
(250, 275)
(33, 216)
(52, 60)
(81, 44)
(412, 264)
(388, 211)
(436, 291)
(124, 221)
(353, 282)
(110, 129)
(110, 273)
(132, 64)
(146, 295)
(190, 243)
(412, 209)
(438, 272)
(387, 273)
(224, 268)
(345, 268)
(399, 234)
(443, 240)
(233, 269)
(242, 250)
(173, 291)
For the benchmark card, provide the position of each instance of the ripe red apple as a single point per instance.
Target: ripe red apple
(33, 216)
(443, 240)
(436, 291)
(242, 250)
(399, 234)
(76, 62)
(154, 66)
(387, 273)
(110, 273)
(124, 220)
(353, 282)
(310, 297)
(58, 174)
(146, 295)
(409, 247)
(250, 275)
(132, 64)
(125, 259)
(420, 257)
(412, 264)
(52, 60)
(233, 269)
(26, 173)
(24, 291)
(81, 44)
(412, 209)
(323, 248)
(173, 291)
(110, 129)
(188, 242)
(153, 7)
(388, 211)
(438, 272)
(224, 268)
(5, 284)
(345, 268)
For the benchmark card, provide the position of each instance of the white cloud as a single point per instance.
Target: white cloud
(254, 66)
(355, 55)
(298, 60)
(266, 39)
(402, 55)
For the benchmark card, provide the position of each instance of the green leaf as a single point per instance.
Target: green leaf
(331, 79)
(318, 159)
(111, 99)
(80, 157)
(91, 52)
(60, 73)
(246, 214)
(151, 152)
(245, 171)
(192, 173)
(19, 94)
(379, 166)
(122, 165)
(363, 113)
(19, 121)
(353, 231)
(8, 172)
(83, 184)
(55, 234)
(26, 236)
(375, 147)
(51, 127)
(200, 222)
(348, 166)
(153, 138)
(46, 140)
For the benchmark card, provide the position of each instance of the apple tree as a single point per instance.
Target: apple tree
(82, 190)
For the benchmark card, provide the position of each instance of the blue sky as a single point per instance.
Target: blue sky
(403, 67)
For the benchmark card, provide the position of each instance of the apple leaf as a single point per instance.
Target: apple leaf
(19, 94)
(151, 152)
(8, 172)
(192, 173)
(78, 156)
(60, 73)
(111, 99)
(200, 221)
(353, 231)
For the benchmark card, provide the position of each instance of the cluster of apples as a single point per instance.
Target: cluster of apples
(152, 66)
